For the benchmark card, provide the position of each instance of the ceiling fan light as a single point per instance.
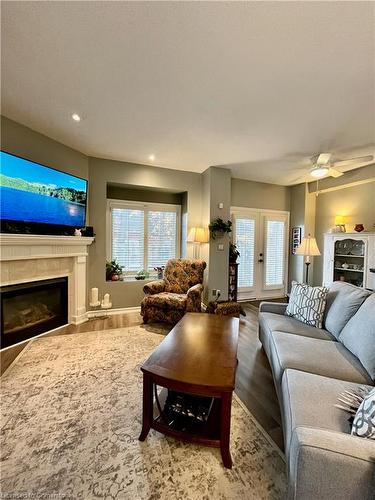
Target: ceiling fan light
(319, 171)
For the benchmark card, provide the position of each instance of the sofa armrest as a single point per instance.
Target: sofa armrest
(194, 297)
(331, 465)
(154, 287)
(273, 307)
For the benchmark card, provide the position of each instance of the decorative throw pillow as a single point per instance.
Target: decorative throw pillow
(364, 420)
(307, 303)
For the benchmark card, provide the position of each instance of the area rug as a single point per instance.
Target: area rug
(71, 416)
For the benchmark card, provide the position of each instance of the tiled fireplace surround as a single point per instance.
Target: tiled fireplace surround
(27, 258)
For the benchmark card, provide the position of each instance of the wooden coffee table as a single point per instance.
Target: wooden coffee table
(199, 356)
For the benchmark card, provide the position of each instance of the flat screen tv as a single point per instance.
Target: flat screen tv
(36, 199)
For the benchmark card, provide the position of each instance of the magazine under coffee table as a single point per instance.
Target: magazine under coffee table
(198, 357)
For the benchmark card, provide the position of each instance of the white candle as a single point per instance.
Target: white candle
(94, 295)
(106, 299)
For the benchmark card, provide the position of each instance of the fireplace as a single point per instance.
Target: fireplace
(29, 309)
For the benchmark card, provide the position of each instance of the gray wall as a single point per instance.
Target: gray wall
(253, 194)
(297, 219)
(215, 190)
(357, 203)
(103, 172)
(23, 141)
(147, 195)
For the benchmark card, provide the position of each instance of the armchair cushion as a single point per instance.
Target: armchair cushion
(166, 300)
(154, 287)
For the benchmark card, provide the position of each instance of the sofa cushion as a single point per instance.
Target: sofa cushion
(343, 301)
(329, 359)
(166, 300)
(277, 322)
(307, 303)
(309, 400)
(358, 335)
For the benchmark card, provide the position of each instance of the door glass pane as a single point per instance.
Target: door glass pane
(245, 241)
(162, 237)
(128, 238)
(274, 259)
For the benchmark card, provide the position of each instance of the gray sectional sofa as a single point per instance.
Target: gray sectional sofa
(311, 367)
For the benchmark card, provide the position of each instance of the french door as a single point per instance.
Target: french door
(262, 240)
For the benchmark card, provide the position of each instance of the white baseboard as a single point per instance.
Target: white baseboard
(112, 312)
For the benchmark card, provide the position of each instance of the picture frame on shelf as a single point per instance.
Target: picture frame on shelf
(296, 238)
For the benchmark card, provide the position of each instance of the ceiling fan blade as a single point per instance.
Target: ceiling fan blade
(334, 173)
(353, 161)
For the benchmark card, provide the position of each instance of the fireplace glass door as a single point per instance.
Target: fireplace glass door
(29, 309)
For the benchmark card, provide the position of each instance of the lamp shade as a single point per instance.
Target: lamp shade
(339, 220)
(198, 235)
(308, 247)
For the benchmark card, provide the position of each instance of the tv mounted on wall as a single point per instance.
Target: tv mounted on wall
(36, 199)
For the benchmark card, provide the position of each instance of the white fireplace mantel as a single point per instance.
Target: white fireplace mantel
(27, 258)
(25, 246)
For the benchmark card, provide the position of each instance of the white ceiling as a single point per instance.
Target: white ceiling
(253, 86)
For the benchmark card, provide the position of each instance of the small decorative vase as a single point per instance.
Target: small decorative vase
(359, 228)
(115, 277)
(345, 265)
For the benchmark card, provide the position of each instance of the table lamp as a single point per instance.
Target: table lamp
(198, 235)
(308, 248)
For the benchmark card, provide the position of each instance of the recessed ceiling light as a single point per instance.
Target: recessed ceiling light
(151, 157)
(76, 117)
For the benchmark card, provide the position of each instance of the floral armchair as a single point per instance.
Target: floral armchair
(179, 292)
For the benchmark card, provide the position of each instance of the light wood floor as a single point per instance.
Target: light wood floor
(254, 384)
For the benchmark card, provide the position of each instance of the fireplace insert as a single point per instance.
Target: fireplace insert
(29, 309)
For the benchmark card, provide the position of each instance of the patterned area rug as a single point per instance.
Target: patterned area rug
(71, 416)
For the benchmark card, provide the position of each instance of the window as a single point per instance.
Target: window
(245, 241)
(143, 236)
(275, 244)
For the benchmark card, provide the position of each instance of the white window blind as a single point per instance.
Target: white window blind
(162, 237)
(245, 241)
(275, 243)
(128, 238)
(143, 236)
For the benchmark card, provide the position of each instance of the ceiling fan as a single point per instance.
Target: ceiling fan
(323, 165)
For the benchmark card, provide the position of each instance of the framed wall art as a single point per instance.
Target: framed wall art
(296, 238)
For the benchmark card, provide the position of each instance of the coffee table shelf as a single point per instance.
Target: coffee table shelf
(208, 434)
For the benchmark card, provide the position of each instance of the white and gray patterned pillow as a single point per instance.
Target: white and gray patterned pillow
(307, 303)
(364, 420)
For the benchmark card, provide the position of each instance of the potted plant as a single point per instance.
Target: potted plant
(113, 270)
(159, 270)
(142, 275)
(219, 226)
(233, 253)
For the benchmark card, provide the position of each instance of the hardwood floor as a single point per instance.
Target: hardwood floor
(254, 383)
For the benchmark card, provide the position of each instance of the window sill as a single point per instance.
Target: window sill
(131, 279)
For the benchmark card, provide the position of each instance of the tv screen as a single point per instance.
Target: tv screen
(39, 199)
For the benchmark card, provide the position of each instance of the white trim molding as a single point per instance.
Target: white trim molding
(112, 312)
(20, 246)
